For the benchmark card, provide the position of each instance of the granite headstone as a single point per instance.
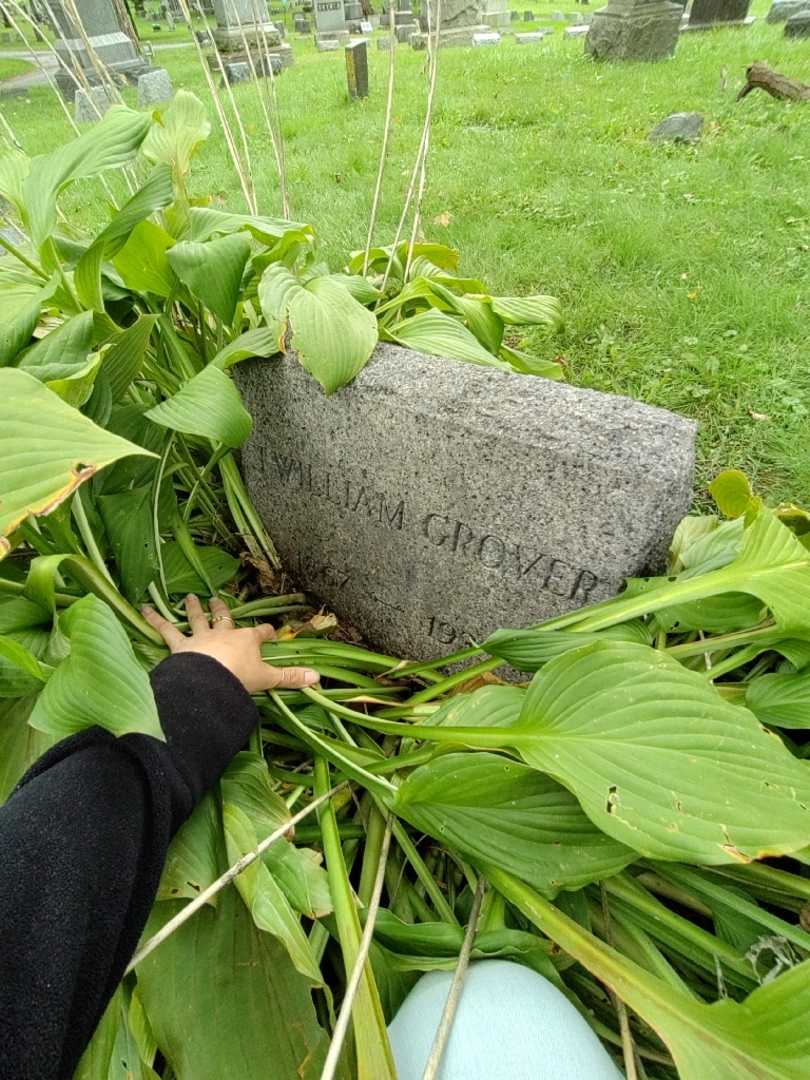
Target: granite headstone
(718, 12)
(90, 105)
(678, 127)
(433, 501)
(154, 87)
(798, 26)
(357, 69)
(634, 30)
(781, 10)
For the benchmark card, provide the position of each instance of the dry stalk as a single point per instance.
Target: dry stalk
(416, 172)
(389, 109)
(628, 1046)
(275, 133)
(344, 1016)
(456, 986)
(232, 872)
(251, 197)
(214, 91)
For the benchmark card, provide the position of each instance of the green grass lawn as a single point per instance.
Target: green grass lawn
(9, 68)
(684, 272)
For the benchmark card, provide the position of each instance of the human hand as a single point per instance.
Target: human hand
(237, 650)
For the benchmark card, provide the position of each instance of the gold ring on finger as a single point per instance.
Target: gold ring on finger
(223, 618)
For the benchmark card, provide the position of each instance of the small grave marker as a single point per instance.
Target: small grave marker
(433, 501)
(357, 69)
(154, 87)
(90, 105)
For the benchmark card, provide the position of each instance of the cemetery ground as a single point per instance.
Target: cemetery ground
(683, 271)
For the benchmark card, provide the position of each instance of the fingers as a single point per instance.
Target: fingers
(197, 618)
(170, 634)
(290, 678)
(264, 632)
(220, 615)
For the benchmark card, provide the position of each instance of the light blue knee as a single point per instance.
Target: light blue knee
(511, 1024)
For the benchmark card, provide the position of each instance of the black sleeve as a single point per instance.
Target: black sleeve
(83, 840)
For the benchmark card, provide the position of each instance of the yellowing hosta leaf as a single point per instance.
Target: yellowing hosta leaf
(100, 683)
(659, 761)
(494, 810)
(332, 333)
(47, 449)
(177, 132)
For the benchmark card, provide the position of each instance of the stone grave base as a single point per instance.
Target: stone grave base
(532, 37)
(237, 66)
(340, 36)
(128, 72)
(405, 31)
(232, 38)
(634, 30)
(741, 24)
(460, 36)
(782, 10)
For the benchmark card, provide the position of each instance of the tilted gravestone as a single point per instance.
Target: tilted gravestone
(634, 30)
(154, 87)
(431, 501)
(782, 10)
(798, 25)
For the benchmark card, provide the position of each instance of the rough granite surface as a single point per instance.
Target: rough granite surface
(431, 501)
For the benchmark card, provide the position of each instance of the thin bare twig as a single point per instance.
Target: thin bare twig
(344, 1016)
(250, 194)
(416, 172)
(275, 130)
(456, 986)
(225, 879)
(389, 109)
(628, 1046)
(212, 87)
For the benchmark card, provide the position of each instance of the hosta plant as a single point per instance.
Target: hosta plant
(636, 807)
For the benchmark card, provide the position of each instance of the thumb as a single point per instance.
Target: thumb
(291, 678)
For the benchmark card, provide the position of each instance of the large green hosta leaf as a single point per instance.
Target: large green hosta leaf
(47, 449)
(110, 143)
(772, 565)
(225, 1002)
(63, 351)
(781, 699)
(212, 272)
(332, 333)
(208, 404)
(493, 810)
(661, 762)
(20, 744)
(155, 194)
(100, 682)
(19, 315)
(764, 1037)
(439, 334)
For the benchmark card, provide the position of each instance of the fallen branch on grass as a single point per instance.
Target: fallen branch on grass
(761, 76)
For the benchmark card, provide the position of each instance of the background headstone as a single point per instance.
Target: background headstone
(432, 501)
(90, 105)
(718, 12)
(330, 21)
(237, 23)
(112, 40)
(491, 38)
(327, 44)
(781, 10)
(798, 25)
(154, 87)
(528, 16)
(634, 30)
(357, 69)
(533, 37)
(460, 21)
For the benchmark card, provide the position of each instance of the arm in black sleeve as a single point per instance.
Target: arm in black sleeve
(83, 840)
